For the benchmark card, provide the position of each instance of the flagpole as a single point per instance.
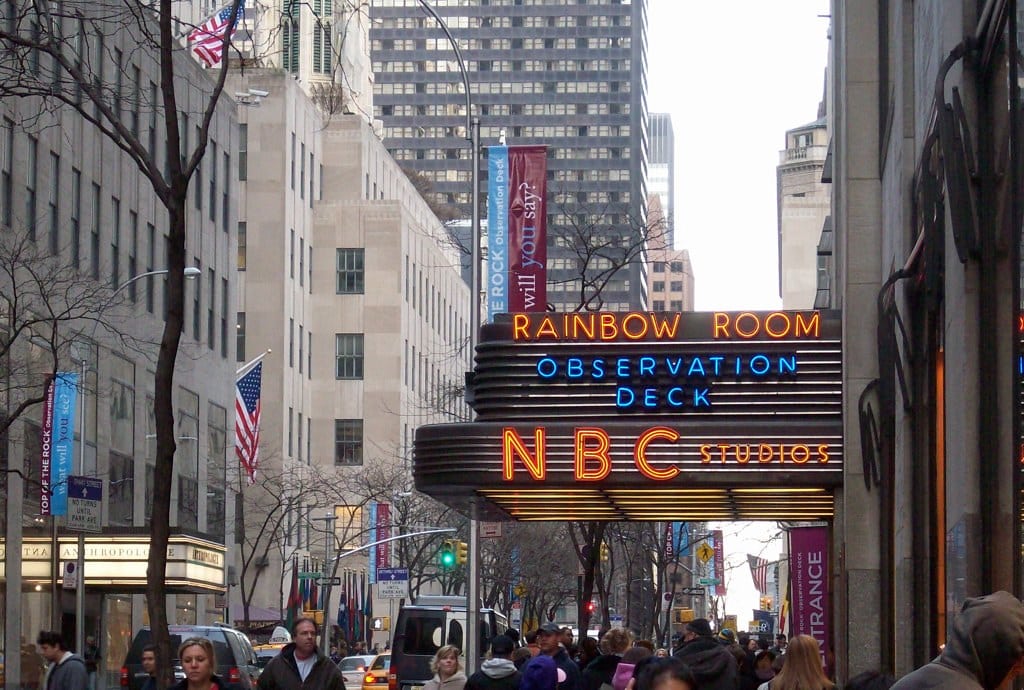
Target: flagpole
(241, 371)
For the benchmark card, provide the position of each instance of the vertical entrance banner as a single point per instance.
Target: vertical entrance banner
(46, 450)
(720, 588)
(65, 393)
(809, 585)
(516, 229)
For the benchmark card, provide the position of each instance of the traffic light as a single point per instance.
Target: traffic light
(766, 603)
(604, 552)
(446, 556)
(590, 606)
(461, 553)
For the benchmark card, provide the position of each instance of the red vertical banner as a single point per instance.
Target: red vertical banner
(809, 586)
(384, 532)
(527, 228)
(719, 589)
(46, 450)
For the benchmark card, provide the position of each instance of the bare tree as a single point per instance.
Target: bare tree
(43, 57)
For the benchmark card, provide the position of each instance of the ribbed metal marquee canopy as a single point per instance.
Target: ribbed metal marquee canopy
(646, 416)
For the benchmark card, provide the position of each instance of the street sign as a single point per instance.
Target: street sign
(392, 583)
(70, 578)
(692, 591)
(310, 575)
(490, 530)
(332, 581)
(666, 601)
(705, 552)
(615, 620)
(85, 503)
(709, 581)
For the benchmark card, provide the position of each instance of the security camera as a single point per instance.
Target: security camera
(258, 93)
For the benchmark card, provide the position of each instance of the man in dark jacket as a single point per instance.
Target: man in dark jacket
(713, 665)
(985, 648)
(498, 672)
(300, 665)
(66, 671)
(549, 639)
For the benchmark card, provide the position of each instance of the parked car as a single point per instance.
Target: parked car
(376, 677)
(353, 668)
(236, 659)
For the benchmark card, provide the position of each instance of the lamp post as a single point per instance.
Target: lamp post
(83, 353)
(473, 136)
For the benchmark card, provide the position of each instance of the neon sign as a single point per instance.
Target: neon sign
(593, 458)
(662, 326)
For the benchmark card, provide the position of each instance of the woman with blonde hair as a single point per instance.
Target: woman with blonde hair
(447, 670)
(802, 670)
(198, 661)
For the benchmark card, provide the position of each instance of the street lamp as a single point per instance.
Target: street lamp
(473, 136)
(84, 351)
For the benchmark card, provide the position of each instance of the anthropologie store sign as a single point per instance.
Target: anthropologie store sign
(121, 562)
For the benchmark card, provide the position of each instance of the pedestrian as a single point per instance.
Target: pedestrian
(91, 655)
(803, 669)
(569, 643)
(665, 673)
(198, 661)
(335, 656)
(149, 666)
(713, 665)
(549, 639)
(780, 645)
(521, 656)
(65, 671)
(624, 671)
(588, 651)
(447, 670)
(542, 673)
(531, 642)
(33, 666)
(985, 648)
(499, 672)
(661, 653)
(598, 674)
(764, 663)
(300, 664)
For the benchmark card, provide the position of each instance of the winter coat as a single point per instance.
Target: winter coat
(572, 671)
(985, 641)
(456, 681)
(282, 673)
(495, 674)
(67, 674)
(623, 674)
(713, 665)
(599, 671)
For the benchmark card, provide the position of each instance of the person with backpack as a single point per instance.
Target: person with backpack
(499, 672)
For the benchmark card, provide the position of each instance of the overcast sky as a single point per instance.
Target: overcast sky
(734, 76)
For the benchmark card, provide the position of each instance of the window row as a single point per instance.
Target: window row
(423, 296)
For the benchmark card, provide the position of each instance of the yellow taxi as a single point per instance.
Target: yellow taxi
(376, 677)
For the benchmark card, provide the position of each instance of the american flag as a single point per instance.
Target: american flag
(247, 420)
(758, 571)
(207, 40)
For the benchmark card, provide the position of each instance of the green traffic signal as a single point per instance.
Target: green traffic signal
(446, 557)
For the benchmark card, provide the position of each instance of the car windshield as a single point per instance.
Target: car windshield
(353, 663)
(381, 663)
(178, 634)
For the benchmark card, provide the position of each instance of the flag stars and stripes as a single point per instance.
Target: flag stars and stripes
(759, 572)
(247, 420)
(207, 40)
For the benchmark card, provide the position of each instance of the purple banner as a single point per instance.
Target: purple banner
(46, 450)
(719, 590)
(527, 228)
(384, 532)
(809, 585)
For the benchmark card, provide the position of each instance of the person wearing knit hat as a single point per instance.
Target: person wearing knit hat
(541, 673)
(726, 636)
(713, 665)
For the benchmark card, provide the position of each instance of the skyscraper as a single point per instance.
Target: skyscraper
(661, 171)
(569, 75)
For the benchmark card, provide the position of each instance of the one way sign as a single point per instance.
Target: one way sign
(85, 501)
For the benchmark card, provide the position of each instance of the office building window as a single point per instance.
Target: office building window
(224, 318)
(348, 442)
(348, 354)
(7, 173)
(31, 180)
(291, 429)
(243, 152)
(302, 340)
(54, 203)
(241, 245)
(115, 242)
(76, 217)
(94, 232)
(133, 254)
(240, 337)
(211, 316)
(302, 261)
(197, 305)
(291, 342)
(351, 271)
(150, 262)
(212, 201)
(291, 253)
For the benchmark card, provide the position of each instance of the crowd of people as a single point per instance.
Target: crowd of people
(984, 651)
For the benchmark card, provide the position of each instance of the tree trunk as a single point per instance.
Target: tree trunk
(156, 589)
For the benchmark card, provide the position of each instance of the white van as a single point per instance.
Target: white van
(427, 625)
